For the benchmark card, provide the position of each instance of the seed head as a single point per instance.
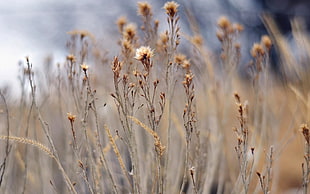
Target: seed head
(127, 46)
(306, 132)
(130, 31)
(197, 40)
(116, 68)
(237, 46)
(164, 38)
(82, 34)
(266, 42)
(238, 27)
(71, 58)
(179, 58)
(257, 50)
(143, 53)
(144, 9)
(71, 117)
(84, 67)
(186, 65)
(171, 8)
(223, 23)
(121, 22)
(188, 78)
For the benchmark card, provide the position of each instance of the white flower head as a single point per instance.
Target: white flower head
(143, 53)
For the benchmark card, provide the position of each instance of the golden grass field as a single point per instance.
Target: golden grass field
(155, 120)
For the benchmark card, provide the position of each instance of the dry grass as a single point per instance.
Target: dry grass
(158, 120)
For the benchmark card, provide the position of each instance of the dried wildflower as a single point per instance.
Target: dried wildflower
(156, 24)
(197, 40)
(162, 42)
(136, 73)
(257, 50)
(231, 30)
(266, 41)
(144, 53)
(237, 46)
(171, 8)
(116, 68)
(144, 9)
(71, 58)
(127, 46)
(130, 31)
(131, 85)
(71, 117)
(238, 27)
(179, 58)
(164, 38)
(121, 22)
(84, 67)
(188, 78)
(186, 65)
(160, 149)
(125, 79)
(82, 34)
(306, 132)
(224, 23)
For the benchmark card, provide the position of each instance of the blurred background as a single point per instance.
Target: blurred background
(38, 29)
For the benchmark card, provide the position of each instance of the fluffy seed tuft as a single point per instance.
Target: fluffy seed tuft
(144, 53)
(171, 8)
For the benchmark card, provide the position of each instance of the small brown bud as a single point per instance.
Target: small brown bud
(71, 117)
(252, 150)
(81, 164)
(266, 41)
(306, 132)
(71, 58)
(121, 22)
(84, 67)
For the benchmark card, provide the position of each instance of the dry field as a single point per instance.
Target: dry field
(157, 120)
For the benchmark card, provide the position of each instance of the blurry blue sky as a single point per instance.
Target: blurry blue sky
(38, 28)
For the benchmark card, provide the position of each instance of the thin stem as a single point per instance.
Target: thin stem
(45, 128)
